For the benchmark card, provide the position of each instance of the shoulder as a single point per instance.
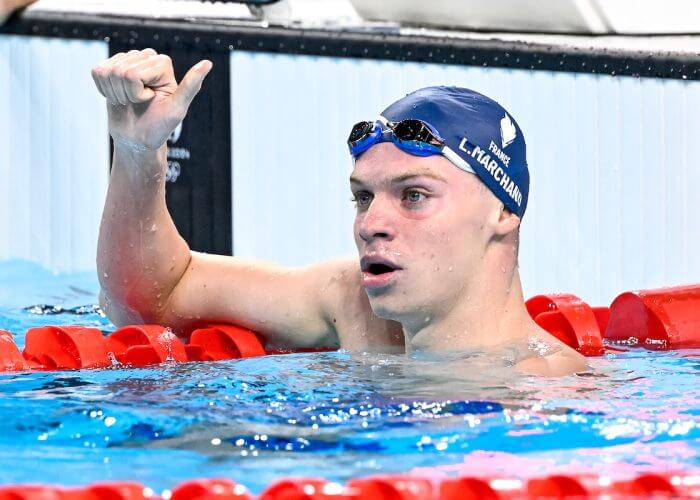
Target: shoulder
(565, 361)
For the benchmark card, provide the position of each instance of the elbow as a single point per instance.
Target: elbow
(122, 313)
(132, 294)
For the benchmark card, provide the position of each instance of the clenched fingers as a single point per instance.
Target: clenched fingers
(102, 76)
(142, 77)
(116, 76)
(113, 79)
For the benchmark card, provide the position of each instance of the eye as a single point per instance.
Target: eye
(413, 196)
(362, 199)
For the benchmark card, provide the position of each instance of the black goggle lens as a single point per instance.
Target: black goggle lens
(411, 135)
(360, 131)
(414, 130)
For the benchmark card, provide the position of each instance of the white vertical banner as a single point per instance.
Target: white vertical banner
(54, 151)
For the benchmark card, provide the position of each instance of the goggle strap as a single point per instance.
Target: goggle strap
(457, 160)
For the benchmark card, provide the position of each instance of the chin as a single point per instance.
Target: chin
(389, 308)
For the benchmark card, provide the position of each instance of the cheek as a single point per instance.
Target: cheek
(472, 222)
(449, 243)
(435, 244)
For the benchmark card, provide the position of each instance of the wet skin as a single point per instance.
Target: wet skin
(448, 246)
(447, 253)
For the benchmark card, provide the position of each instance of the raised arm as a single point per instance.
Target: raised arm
(146, 269)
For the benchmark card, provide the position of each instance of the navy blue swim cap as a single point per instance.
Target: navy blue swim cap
(480, 131)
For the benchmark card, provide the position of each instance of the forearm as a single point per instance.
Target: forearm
(140, 255)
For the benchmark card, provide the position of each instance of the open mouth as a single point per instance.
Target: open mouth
(378, 272)
(378, 269)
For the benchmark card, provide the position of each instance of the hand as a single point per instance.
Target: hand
(145, 103)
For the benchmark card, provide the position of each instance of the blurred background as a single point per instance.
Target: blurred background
(606, 92)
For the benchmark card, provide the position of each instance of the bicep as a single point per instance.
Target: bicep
(284, 305)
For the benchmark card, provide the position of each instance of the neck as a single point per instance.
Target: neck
(490, 312)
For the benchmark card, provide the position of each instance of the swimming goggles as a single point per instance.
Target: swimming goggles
(413, 136)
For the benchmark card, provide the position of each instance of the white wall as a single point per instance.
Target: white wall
(612, 165)
(53, 151)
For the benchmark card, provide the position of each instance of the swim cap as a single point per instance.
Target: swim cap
(480, 131)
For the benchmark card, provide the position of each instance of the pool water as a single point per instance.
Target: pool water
(336, 415)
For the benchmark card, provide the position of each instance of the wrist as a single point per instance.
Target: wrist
(140, 161)
(126, 144)
(134, 150)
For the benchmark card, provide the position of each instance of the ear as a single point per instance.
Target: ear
(507, 222)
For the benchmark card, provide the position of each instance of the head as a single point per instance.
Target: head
(430, 223)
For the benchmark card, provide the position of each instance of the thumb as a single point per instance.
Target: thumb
(191, 83)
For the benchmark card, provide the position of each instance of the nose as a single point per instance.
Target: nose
(376, 222)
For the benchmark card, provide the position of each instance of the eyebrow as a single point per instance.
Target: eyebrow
(405, 177)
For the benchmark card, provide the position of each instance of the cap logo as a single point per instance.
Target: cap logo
(508, 132)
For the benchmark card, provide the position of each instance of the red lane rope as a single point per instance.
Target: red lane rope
(667, 318)
(76, 347)
(569, 319)
(384, 487)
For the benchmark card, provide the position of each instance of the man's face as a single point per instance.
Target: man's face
(421, 228)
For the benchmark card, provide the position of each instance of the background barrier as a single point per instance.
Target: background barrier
(611, 156)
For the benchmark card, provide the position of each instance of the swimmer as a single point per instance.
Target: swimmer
(7, 7)
(440, 184)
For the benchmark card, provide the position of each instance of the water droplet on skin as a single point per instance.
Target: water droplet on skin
(427, 318)
(105, 275)
(503, 269)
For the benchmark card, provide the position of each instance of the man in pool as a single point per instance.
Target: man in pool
(440, 183)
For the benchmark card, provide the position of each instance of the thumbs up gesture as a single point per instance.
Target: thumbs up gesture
(145, 102)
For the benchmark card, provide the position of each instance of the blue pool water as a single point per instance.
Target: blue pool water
(336, 415)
